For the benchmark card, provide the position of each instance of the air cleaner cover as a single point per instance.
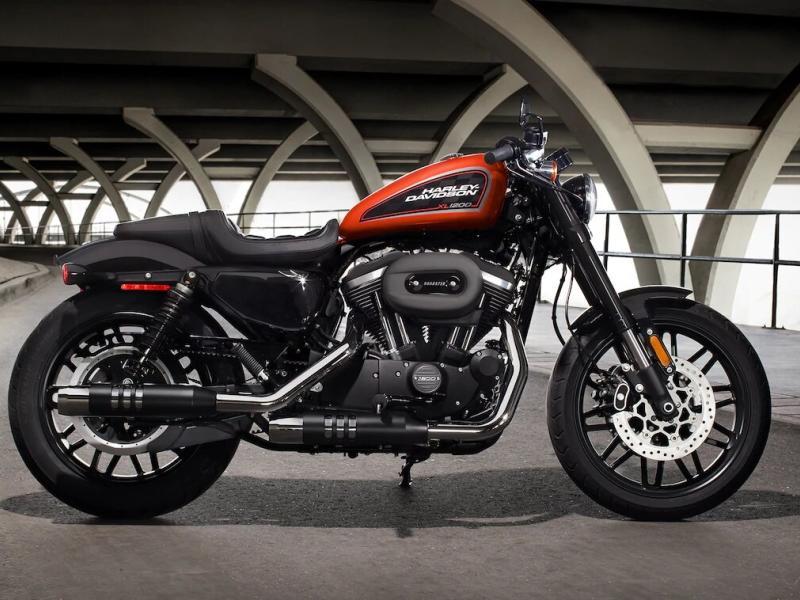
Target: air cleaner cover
(433, 285)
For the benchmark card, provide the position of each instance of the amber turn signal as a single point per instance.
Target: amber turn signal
(548, 169)
(660, 351)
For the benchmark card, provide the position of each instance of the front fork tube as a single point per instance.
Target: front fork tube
(646, 377)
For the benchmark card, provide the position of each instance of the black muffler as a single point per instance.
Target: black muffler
(102, 400)
(106, 400)
(349, 430)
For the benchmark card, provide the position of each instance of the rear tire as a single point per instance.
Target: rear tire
(705, 487)
(84, 489)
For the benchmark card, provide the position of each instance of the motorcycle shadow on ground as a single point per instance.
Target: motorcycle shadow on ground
(499, 498)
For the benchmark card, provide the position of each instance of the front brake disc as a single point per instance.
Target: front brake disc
(646, 435)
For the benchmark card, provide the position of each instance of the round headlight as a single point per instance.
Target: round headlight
(584, 198)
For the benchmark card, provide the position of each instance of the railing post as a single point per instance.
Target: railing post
(605, 240)
(684, 221)
(776, 257)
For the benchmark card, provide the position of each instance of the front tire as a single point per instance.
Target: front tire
(113, 486)
(617, 465)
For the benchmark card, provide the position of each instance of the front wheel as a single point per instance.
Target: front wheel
(101, 465)
(638, 465)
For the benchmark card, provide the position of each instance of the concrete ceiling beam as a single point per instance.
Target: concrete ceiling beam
(678, 137)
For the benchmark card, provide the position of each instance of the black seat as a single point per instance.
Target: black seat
(211, 237)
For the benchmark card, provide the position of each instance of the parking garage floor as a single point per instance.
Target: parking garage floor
(504, 524)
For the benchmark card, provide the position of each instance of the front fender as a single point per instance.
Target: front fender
(637, 301)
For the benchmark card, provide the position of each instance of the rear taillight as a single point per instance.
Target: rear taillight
(145, 287)
(72, 274)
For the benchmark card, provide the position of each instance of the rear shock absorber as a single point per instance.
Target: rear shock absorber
(163, 323)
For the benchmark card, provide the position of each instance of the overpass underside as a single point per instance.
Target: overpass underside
(104, 101)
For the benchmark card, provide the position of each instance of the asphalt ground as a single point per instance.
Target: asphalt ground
(507, 523)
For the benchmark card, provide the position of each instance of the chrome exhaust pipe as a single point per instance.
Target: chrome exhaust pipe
(500, 419)
(105, 400)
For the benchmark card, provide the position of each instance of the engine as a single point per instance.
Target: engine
(427, 314)
(428, 306)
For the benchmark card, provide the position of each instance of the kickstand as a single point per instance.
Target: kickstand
(405, 471)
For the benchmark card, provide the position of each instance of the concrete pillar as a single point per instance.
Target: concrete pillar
(743, 184)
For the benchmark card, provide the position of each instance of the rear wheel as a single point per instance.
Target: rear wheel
(637, 465)
(98, 465)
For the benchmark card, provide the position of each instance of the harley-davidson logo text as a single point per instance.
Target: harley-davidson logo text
(446, 191)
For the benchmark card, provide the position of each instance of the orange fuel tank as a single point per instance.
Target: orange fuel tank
(461, 193)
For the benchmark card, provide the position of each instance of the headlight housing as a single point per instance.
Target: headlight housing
(584, 198)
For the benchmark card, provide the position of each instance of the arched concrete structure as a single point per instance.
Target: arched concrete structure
(44, 187)
(19, 216)
(499, 86)
(77, 180)
(294, 140)
(526, 41)
(145, 120)
(128, 168)
(202, 150)
(743, 184)
(70, 148)
(281, 74)
(38, 232)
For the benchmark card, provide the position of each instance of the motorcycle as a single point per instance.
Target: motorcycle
(400, 330)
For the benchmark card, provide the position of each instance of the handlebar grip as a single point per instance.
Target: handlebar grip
(501, 153)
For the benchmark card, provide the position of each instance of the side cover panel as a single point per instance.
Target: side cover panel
(273, 298)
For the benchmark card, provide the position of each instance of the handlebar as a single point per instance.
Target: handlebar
(502, 153)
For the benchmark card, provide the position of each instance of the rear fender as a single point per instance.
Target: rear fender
(117, 261)
(639, 301)
(110, 263)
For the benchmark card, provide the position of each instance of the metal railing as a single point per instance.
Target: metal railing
(266, 224)
(272, 224)
(684, 257)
